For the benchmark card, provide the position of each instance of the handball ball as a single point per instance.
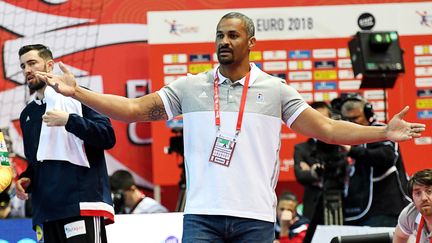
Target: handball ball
(6, 175)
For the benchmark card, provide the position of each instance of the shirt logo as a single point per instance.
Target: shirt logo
(27, 119)
(203, 95)
(260, 98)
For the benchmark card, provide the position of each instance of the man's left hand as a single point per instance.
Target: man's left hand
(399, 130)
(55, 118)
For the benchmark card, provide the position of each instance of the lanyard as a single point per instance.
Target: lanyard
(419, 231)
(242, 102)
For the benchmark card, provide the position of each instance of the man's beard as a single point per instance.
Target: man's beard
(426, 211)
(37, 85)
(225, 61)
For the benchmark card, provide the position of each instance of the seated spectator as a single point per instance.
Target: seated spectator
(128, 198)
(290, 227)
(416, 218)
(5, 205)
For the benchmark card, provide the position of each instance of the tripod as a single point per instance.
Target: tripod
(176, 146)
(333, 211)
(181, 200)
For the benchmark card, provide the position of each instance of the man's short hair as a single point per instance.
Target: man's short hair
(250, 28)
(121, 180)
(43, 51)
(422, 177)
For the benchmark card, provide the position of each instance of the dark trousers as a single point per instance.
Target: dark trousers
(74, 230)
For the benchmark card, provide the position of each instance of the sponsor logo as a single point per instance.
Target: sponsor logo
(199, 68)
(300, 75)
(75, 228)
(325, 85)
(423, 82)
(275, 66)
(325, 75)
(199, 58)
(424, 104)
(179, 29)
(373, 94)
(302, 86)
(175, 69)
(325, 64)
(366, 21)
(325, 96)
(171, 239)
(425, 114)
(343, 52)
(300, 65)
(344, 63)
(346, 74)
(425, 18)
(255, 56)
(423, 140)
(299, 54)
(274, 55)
(324, 53)
(423, 71)
(424, 93)
(423, 50)
(174, 58)
(349, 85)
(425, 60)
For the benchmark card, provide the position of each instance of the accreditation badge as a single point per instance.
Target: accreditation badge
(223, 150)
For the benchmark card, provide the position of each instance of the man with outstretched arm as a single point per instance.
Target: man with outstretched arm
(231, 118)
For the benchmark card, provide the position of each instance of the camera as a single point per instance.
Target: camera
(333, 160)
(176, 142)
(118, 201)
(334, 164)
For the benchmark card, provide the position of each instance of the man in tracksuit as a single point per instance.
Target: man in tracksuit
(70, 199)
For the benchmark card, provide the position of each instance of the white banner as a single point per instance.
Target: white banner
(333, 21)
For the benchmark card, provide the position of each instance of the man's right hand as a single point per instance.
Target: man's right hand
(21, 186)
(64, 84)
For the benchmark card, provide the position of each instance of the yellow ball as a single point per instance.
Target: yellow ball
(6, 176)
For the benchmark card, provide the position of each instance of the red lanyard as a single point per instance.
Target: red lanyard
(242, 102)
(419, 231)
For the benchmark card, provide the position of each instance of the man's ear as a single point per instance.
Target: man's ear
(133, 188)
(252, 42)
(50, 65)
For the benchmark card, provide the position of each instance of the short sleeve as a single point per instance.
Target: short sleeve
(407, 218)
(293, 103)
(171, 96)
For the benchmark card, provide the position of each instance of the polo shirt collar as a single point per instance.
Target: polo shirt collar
(254, 72)
(39, 102)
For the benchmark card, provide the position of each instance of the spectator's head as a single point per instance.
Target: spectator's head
(420, 190)
(355, 109)
(322, 107)
(336, 104)
(35, 58)
(287, 202)
(123, 188)
(5, 205)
